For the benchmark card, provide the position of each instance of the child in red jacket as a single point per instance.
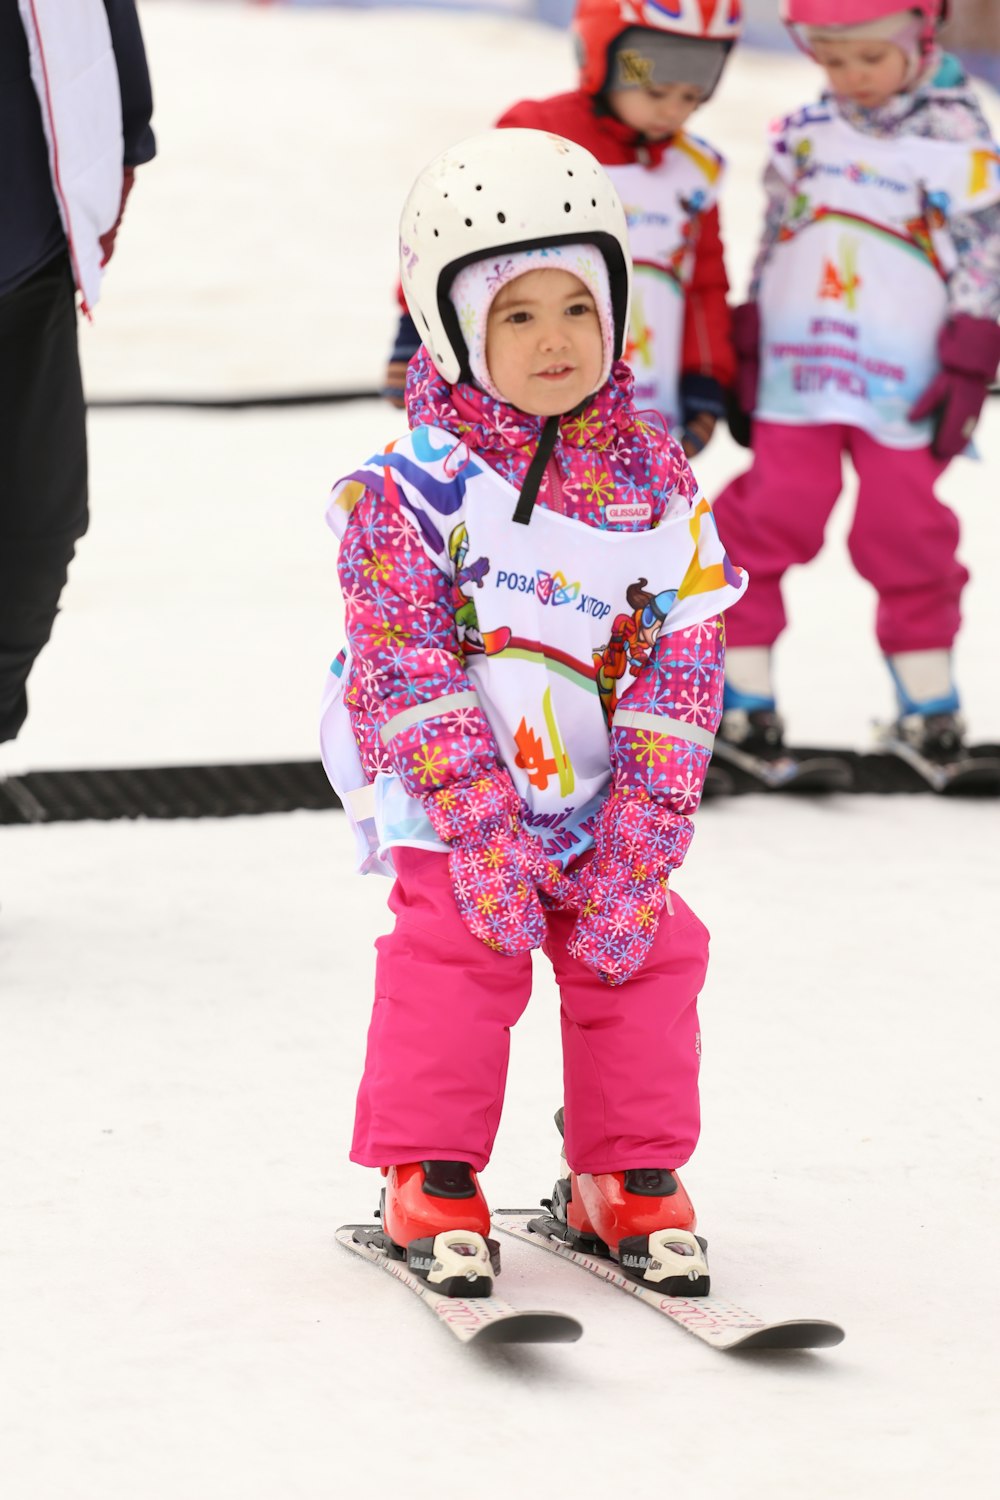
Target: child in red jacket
(644, 70)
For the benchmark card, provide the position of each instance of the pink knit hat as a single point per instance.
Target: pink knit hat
(474, 288)
(906, 28)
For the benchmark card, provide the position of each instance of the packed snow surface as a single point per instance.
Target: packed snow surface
(184, 1005)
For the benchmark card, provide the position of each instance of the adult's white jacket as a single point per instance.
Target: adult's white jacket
(77, 80)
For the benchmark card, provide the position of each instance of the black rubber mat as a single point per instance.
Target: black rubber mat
(288, 786)
(229, 403)
(165, 792)
(873, 775)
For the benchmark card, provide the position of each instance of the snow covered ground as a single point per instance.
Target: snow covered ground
(184, 1004)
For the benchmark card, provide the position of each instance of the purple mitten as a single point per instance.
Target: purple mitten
(494, 862)
(623, 890)
(746, 344)
(969, 350)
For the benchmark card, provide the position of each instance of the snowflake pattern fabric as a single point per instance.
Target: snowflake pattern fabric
(623, 889)
(682, 680)
(400, 608)
(407, 654)
(933, 112)
(496, 866)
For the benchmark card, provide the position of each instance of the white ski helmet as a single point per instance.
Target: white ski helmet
(502, 191)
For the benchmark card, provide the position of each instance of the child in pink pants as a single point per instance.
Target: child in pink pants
(440, 1036)
(520, 725)
(871, 333)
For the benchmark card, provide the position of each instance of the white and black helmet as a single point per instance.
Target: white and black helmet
(502, 191)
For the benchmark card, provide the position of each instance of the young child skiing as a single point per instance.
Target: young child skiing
(871, 330)
(644, 70)
(520, 725)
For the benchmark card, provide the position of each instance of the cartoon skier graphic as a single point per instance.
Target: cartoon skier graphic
(632, 638)
(468, 576)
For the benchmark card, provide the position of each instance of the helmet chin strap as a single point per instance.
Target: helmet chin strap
(536, 469)
(533, 478)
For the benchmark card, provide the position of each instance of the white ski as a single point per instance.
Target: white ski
(481, 1320)
(712, 1319)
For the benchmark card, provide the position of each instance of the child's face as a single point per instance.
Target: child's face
(544, 349)
(656, 111)
(866, 73)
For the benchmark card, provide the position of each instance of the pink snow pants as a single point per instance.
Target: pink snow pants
(439, 1038)
(903, 539)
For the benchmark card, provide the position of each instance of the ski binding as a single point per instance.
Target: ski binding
(971, 773)
(715, 1321)
(473, 1318)
(794, 771)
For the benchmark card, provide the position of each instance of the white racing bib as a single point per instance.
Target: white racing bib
(663, 205)
(540, 609)
(854, 293)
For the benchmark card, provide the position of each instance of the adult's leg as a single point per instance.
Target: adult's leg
(439, 1039)
(43, 472)
(631, 1052)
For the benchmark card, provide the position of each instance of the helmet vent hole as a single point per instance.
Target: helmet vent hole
(468, 223)
(567, 208)
(502, 218)
(435, 234)
(479, 187)
(593, 202)
(568, 172)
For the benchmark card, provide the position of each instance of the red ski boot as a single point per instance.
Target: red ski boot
(645, 1221)
(435, 1217)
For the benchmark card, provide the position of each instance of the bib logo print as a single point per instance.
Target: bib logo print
(552, 588)
(842, 283)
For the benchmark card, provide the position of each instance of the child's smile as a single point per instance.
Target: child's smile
(544, 347)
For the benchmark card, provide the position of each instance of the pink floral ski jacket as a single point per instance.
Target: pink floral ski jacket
(609, 462)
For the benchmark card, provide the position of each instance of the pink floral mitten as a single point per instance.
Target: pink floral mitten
(496, 865)
(623, 890)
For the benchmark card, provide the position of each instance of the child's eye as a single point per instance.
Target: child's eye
(579, 309)
(518, 317)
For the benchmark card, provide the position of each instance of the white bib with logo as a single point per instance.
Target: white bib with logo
(854, 293)
(663, 205)
(535, 609)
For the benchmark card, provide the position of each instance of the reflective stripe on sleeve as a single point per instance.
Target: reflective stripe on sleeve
(421, 711)
(627, 719)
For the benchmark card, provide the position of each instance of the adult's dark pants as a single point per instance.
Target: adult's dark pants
(43, 471)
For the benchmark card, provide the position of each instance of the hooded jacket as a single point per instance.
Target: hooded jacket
(610, 470)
